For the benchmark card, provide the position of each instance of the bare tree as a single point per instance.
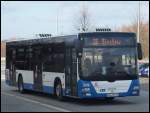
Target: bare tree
(3, 48)
(143, 33)
(83, 21)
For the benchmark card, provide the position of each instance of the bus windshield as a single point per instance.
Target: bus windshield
(109, 63)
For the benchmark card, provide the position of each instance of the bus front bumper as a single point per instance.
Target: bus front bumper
(90, 91)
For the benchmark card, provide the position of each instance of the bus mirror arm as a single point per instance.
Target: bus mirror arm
(78, 46)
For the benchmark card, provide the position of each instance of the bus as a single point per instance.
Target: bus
(85, 65)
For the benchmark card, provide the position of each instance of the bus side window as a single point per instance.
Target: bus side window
(28, 59)
(47, 64)
(47, 59)
(14, 54)
(60, 62)
(20, 58)
(58, 58)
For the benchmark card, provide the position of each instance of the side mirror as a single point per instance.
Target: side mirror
(78, 45)
(139, 48)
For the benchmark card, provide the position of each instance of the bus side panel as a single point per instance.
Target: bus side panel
(48, 81)
(10, 78)
(27, 78)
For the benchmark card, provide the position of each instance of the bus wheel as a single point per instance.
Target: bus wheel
(58, 91)
(20, 85)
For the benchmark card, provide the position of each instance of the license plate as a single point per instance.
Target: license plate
(112, 95)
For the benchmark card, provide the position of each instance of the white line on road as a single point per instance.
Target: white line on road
(36, 102)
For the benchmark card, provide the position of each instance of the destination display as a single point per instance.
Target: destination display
(103, 41)
(111, 41)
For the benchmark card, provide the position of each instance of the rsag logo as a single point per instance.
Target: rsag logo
(102, 90)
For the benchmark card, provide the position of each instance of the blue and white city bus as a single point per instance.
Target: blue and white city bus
(85, 65)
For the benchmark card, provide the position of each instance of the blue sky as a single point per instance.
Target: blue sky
(27, 18)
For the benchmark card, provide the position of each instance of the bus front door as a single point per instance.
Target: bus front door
(70, 72)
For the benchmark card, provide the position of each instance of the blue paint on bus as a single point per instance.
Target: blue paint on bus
(94, 94)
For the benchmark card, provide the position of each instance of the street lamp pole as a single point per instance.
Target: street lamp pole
(138, 32)
(57, 21)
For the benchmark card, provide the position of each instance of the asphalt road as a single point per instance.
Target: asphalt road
(12, 100)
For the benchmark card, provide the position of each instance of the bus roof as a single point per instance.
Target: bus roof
(56, 39)
(64, 38)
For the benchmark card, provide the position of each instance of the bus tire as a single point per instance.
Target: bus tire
(20, 85)
(59, 91)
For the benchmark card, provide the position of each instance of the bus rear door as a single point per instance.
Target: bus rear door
(38, 86)
(12, 67)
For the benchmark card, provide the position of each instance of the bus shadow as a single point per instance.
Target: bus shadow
(37, 94)
(90, 102)
(83, 102)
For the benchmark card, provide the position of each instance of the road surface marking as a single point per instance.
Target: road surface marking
(37, 102)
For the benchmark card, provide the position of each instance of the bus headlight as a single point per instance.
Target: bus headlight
(86, 90)
(86, 85)
(136, 88)
(134, 92)
(88, 94)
